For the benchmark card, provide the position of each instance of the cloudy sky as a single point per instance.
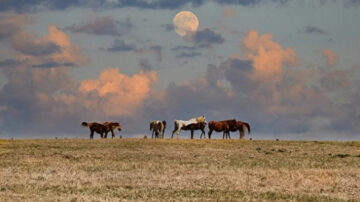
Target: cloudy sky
(289, 68)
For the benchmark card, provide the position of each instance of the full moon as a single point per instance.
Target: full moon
(185, 22)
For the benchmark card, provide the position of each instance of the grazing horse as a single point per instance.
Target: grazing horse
(240, 126)
(158, 127)
(221, 126)
(196, 126)
(95, 127)
(179, 124)
(110, 127)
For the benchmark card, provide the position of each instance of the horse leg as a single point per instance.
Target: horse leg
(229, 135)
(202, 132)
(242, 132)
(91, 134)
(178, 133)
(112, 134)
(192, 134)
(209, 133)
(173, 133)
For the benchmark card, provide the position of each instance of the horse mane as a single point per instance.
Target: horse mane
(201, 119)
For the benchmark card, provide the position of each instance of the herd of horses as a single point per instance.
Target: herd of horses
(158, 127)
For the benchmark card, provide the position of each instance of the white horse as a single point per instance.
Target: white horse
(179, 124)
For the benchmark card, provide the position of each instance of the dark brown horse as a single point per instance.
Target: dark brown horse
(95, 127)
(221, 126)
(195, 126)
(157, 127)
(110, 127)
(240, 126)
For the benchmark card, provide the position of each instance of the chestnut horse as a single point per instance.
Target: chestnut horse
(240, 126)
(157, 127)
(95, 127)
(221, 126)
(196, 126)
(110, 127)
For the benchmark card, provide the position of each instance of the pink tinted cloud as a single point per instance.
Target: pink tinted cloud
(331, 57)
(268, 56)
(116, 93)
(54, 48)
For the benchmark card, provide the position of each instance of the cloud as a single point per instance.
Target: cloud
(351, 3)
(206, 37)
(8, 63)
(201, 39)
(187, 48)
(117, 94)
(268, 56)
(187, 55)
(102, 25)
(55, 48)
(229, 12)
(145, 65)
(157, 49)
(315, 30)
(121, 46)
(11, 23)
(35, 5)
(331, 57)
(168, 27)
(34, 48)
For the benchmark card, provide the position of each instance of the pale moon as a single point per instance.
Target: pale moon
(185, 23)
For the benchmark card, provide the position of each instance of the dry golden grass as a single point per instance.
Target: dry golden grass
(172, 170)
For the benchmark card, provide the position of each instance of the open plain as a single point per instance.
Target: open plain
(173, 170)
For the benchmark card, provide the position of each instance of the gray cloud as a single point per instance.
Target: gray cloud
(36, 5)
(33, 5)
(315, 30)
(158, 51)
(352, 3)
(187, 55)
(121, 46)
(52, 64)
(8, 63)
(145, 65)
(29, 47)
(206, 38)
(187, 48)
(168, 27)
(105, 25)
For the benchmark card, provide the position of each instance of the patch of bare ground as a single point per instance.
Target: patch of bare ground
(163, 170)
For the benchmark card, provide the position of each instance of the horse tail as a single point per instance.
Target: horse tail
(210, 125)
(247, 126)
(85, 124)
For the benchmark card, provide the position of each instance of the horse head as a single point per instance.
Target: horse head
(201, 119)
(118, 126)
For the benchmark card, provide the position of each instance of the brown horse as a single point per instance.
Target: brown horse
(110, 127)
(157, 127)
(95, 127)
(240, 126)
(221, 126)
(196, 126)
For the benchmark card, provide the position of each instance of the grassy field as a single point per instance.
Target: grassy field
(173, 170)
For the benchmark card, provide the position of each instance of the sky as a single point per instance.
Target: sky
(289, 68)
